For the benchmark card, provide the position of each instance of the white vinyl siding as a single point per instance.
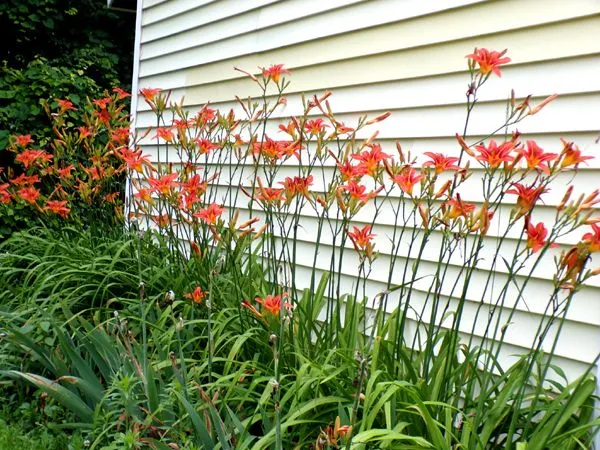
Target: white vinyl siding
(407, 57)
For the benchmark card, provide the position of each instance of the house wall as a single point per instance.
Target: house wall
(407, 57)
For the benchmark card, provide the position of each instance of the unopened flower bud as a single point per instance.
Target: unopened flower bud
(273, 339)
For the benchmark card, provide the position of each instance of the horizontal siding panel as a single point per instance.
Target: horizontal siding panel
(362, 46)
(288, 23)
(413, 63)
(229, 19)
(165, 10)
(551, 77)
(562, 116)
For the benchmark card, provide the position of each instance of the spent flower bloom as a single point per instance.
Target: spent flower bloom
(489, 61)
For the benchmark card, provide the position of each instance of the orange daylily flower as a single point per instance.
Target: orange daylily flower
(536, 236)
(527, 197)
(197, 295)
(149, 93)
(315, 127)
(164, 184)
(134, 159)
(536, 158)
(205, 146)
(29, 194)
(58, 207)
(592, 239)
(121, 94)
(358, 192)
(210, 214)
(296, 186)
(495, 155)
(65, 172)
(371, 159)
(271, 304)
(165, 134)
(270, 195)
(22, 140)
(275, 72)
(407, 179)
(488, 61)
(29, 157)
(458, 208)
(571, 155)
(65, 105)
(350, 172)
(362, 240)
(144, 194)
(24, 180)
(441, 162)
(4, 194)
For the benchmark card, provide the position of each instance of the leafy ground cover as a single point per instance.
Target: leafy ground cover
(189, 326)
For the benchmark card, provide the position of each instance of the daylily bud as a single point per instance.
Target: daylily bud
(443, 189)
(379, 118)
(565, 198)
(543, 103)
(400, 153)
(464, 145)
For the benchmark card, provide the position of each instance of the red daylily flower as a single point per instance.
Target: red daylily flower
(197, 295)
(58, 207)
(536, 236)
(275, 72)
(495, 155)
(488, 61)
(441, 162)
(210, 214)
(528, 196)
(29, 194)
(536, 157)
(407, 179)
(371, 159)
